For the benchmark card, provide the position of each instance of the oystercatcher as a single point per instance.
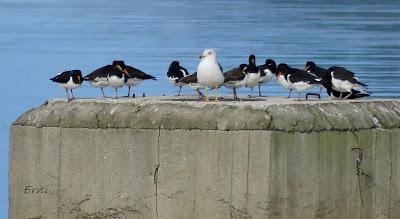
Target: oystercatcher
(99, 77)
(298, 79)
(117, 76)
(192, 82)
(316, 70)
(281, 77)
(69, 80)
(136, 77)
(176, 72)
(236, 78)
(344, 81)
(267, 72)
(253, 73)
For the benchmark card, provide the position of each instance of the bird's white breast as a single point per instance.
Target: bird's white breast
(341, 86)
(237, 84)
(209, 74)
(70, 84)
(253, 80)
(301, 86)
(283, 82)
(100, 82)
(268, 76)
(173, 80)
(115, 81)
(134, 81)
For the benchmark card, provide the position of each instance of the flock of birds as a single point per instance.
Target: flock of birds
(338, 81)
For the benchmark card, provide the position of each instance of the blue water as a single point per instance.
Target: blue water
(39, 38)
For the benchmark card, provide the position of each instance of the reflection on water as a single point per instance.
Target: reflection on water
(41, 38)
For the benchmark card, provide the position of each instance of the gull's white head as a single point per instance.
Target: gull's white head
(208, 53)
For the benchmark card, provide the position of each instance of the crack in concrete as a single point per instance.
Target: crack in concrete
(248, 174)
(231, 216)
(157, 169)
(59, 176)
(241, 213)
(97, 119)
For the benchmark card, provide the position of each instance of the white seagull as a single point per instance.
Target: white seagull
(209, 72)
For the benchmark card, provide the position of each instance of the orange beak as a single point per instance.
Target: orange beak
(119, 67)
(126, 73)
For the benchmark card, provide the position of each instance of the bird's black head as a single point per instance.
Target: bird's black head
(174, 64)
(309, 66)
(242, 66)
(76, 73)
(252, 60)
(77, 76)
(120, 65)
(330, 70)
(281, 69)
(271, 65)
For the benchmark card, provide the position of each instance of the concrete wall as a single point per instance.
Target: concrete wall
(104, 159)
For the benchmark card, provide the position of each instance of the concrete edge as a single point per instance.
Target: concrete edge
(167, 115)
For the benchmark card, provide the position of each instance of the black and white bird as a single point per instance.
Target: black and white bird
(344, 81)
(281, 77)
(118, 76)
(99, 77)
(209, 72)
(298, 79)
(176, 72)
(267, 73)
(316, 70)
(254, 74)
(136, 77)
(192, 82)
(236, 78)
(347, 95)
(69, 80)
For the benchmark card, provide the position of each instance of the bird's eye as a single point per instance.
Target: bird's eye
(209, 53)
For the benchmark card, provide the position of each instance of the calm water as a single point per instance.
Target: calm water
(42, 37)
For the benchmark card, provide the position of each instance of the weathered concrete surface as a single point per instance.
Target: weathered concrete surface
(278, 114)
(165, 158)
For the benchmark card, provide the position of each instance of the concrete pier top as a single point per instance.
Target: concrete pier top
(189, 113)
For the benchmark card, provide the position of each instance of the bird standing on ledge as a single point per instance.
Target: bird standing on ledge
(136, 77)
(267, 73)
(345, 81)
(253, 73)
(175, 73)
(117, 76)
(314, 69)
(69, 80)
(192, 82)
(209, 72)
(297, 79)
(236, 78)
